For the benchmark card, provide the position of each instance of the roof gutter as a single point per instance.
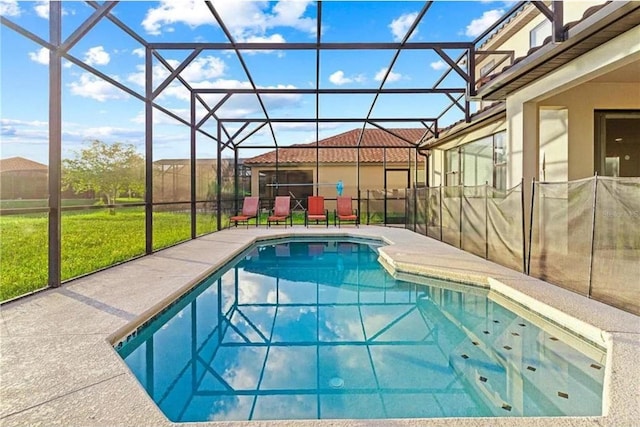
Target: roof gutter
(463, 128)
(498, 88)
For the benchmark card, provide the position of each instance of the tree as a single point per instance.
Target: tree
(108, 170)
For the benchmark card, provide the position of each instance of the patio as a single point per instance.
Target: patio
(59, 368)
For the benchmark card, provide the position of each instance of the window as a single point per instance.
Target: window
(452, 167)
(479, 162)
(500, 160)
(617, 143)
(539, 33)
(295, 183)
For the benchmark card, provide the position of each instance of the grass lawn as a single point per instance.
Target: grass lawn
(90, 241)
(43, 203)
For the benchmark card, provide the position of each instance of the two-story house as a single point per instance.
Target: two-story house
(550, 110)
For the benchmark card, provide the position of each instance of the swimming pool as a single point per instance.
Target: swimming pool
(319, 330)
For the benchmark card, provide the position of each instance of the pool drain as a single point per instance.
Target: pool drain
(336, 382)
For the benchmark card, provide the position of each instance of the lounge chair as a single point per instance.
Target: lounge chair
(316, 211)
(345, 211)
(249, 210)
(281, 211)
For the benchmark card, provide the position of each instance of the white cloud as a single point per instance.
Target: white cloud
(111, 133)
(139, 52)
(478, 25)
(438, 65)
(21, 137)
(338, 78)
(207, 73)
(42, 8)
(401, 25)
(193, 13)
(163, 119)
(90, 86)
(290, 14)
(308, 127)
(245, 105)
(41, 56)
(392, 77)
(242, 18)
(9, 8)
(207, 67)
(273, 38)
(202, 68)
(18, 122)
(97, 56)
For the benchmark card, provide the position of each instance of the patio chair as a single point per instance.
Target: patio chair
(281, 211)
(250, 208)
(345, 212)
(316, 211)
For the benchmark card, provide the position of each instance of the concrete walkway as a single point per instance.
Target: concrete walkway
(58, 368)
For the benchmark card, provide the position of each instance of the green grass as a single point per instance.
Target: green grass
(42, 203)
(90, 241)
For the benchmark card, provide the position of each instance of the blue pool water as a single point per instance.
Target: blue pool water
(309, 330)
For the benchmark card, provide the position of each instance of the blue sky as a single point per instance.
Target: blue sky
(95, 109)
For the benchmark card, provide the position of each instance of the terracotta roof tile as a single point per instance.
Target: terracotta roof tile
(456, 126)
(332, 149)
(21, 164)
(590, 11)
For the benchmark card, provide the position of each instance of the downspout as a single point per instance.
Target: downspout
(425, 154)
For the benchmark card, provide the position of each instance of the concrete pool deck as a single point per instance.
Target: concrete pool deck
(57, 366)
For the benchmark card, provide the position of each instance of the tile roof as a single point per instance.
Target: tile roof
(587, 13)
(370, 148)
(487, 111)
(21, 164)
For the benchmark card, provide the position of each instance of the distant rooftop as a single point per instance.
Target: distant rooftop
(343, 148)
(21, 164)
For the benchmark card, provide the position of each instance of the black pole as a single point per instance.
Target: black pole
(486, 220)
(384, 168)
(460, 193)
(193, 165)
(524, 240)
(415, 208)
(148, 150)
(368, 196)
(55, 145)
(236, 186)
(219, 179)
(593, 234)
(358, 182)
(533, 194)
(441, 212)
(427, 211)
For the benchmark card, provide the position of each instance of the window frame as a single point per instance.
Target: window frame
(499, 164)
(535, 33)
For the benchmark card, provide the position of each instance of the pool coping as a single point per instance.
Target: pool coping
(94, 387)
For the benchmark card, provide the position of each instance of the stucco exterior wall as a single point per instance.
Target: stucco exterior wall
(437, 165)
(519, 42)
(552, 119)
(571, 87)
(436, 168)
(581, 102)
(554, 150)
